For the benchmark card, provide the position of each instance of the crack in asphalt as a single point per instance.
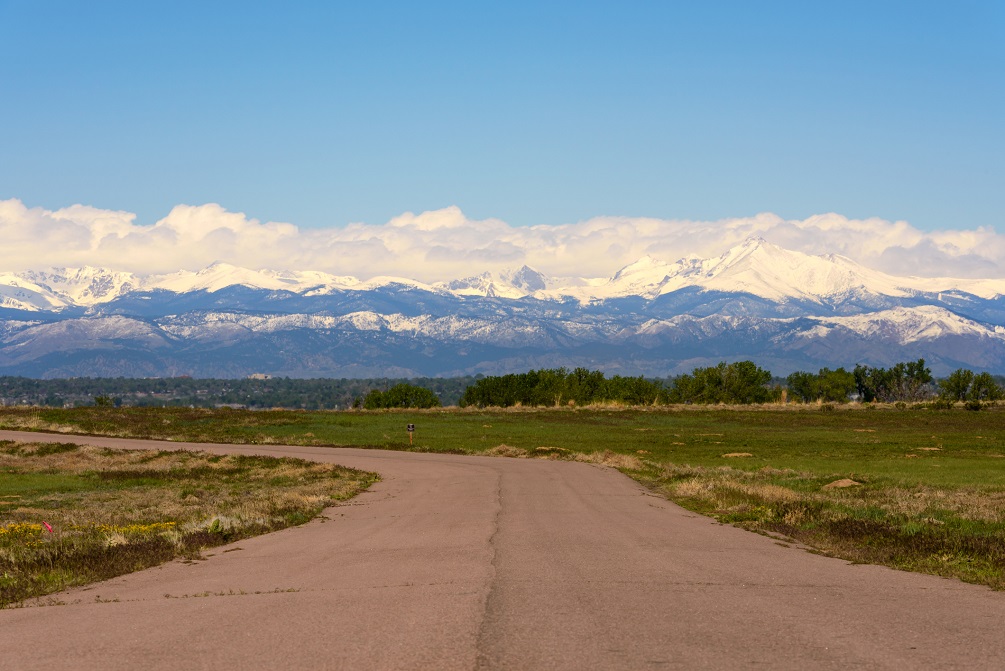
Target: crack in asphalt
(481, 658)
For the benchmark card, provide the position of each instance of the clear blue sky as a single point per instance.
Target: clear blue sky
(322, 113)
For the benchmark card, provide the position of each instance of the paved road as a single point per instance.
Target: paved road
(457, 562)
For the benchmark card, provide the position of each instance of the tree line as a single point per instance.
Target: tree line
(738, 383)
(291, 393)
(905, 382)
(559, 386)
(741, 382)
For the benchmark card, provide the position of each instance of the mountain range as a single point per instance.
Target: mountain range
(783, 309)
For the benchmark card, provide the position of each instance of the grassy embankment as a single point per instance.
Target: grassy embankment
(927, 487)
(72, 515)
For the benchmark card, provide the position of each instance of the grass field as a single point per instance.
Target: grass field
(71, 515)
(914, 488)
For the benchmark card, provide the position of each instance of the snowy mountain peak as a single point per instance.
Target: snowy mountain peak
(507, 284)
(760, 268)
(82, 286)
(217, 265)
(528, 279)
(753, 267)
(752, 250)
(647, 265)
(486, 284)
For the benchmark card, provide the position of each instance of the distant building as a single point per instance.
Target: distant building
(259, 376)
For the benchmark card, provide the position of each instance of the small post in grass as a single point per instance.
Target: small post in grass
(411, 432)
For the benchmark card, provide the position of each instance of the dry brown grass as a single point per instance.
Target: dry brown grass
(613, 459)
(504, 450)
(953, 532)
(607, 458)
(113, 511)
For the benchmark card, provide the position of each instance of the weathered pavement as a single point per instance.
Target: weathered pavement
(455, 562)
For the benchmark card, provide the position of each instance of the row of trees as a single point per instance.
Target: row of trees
(733, 383)
(559, 386)
(965, 385)
(910, 381)
(276, 392)
(740, 382)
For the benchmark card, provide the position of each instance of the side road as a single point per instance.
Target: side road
(456, 562)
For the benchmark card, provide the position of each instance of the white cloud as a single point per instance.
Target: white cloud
(445, 244)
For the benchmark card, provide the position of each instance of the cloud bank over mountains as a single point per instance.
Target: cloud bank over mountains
(444, 244)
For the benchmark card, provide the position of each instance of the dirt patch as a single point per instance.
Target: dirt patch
(842, 483)
(732, 455)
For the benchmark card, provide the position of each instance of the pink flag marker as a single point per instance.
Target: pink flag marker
(47, 526)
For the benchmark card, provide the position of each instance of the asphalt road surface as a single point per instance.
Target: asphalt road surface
(454, 562)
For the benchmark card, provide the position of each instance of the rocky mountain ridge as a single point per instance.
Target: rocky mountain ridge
(785, 310)
(755, 267)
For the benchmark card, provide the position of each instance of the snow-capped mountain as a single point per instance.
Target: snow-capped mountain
(767, 271)
(19, 293)
(784, 309)
(510, 284)
(81, 286)
(755, 267)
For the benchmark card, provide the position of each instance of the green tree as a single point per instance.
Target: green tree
(803, 386)
(908, 381)
(585, 386)
(832, 386)
(984, 388)
(740, 382)
(869, 382)
(956, 387)
(549, 388)
(973, 389)
(836, 386)
(402, 395)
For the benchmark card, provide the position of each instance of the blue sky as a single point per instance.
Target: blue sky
(326, 113)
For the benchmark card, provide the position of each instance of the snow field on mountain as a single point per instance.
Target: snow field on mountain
(755, 267)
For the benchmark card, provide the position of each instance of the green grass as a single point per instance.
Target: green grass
(115, 511)
(930, 492)
(16, 486)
